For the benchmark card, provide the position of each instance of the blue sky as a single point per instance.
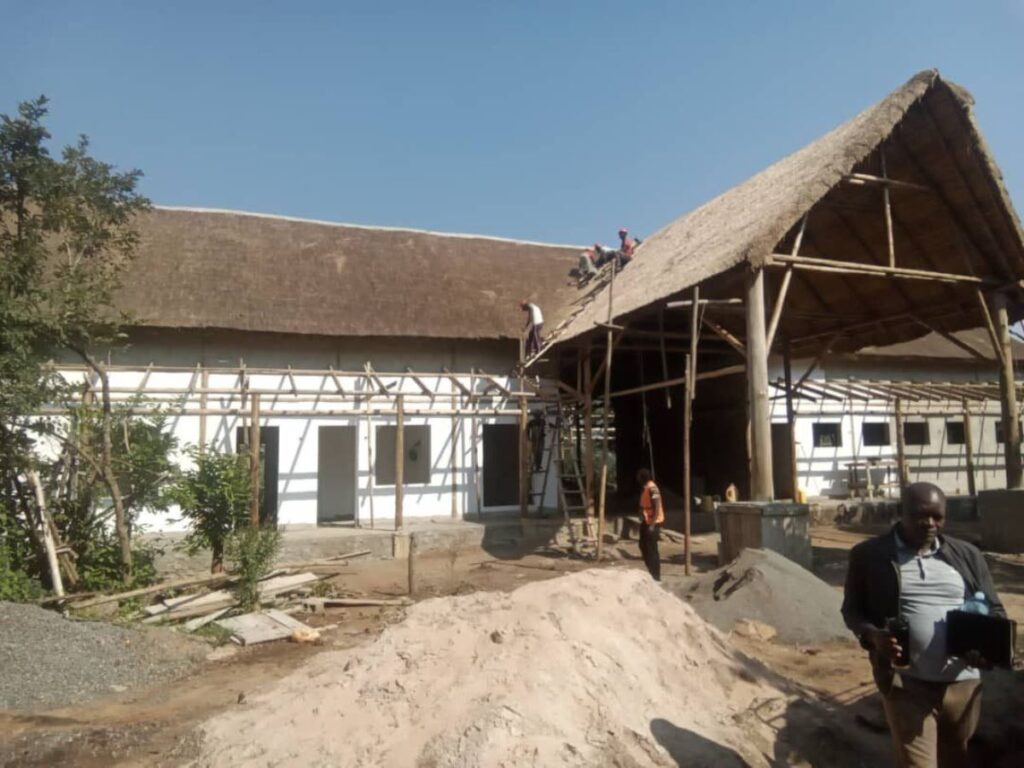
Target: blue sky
(558, 121)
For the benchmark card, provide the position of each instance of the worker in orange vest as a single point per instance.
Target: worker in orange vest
(653, 515)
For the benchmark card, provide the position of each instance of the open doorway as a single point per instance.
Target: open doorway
(269, 451)
(336, 474)
(501, 465)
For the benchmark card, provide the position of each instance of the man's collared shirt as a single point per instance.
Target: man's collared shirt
(929, 588)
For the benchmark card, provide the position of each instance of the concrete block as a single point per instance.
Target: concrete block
(1001, 514)
(400, 545)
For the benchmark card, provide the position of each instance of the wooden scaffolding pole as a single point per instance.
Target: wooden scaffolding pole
(399, 461)
(1008, 395)
(588, 440)
(691, 387)
(254, 462)
(607, 414)
(761, 481)
(901, 449)
(204, 383)
(455, 460)
(969, 449)
(787, 364)
(524, 459)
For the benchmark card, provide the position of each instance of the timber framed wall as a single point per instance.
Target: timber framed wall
(208, 405)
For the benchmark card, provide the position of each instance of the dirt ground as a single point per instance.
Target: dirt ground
(155, 727)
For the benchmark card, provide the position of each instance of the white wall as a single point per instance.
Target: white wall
(822, 472)
(298, 439)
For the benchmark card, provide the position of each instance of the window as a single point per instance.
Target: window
(955, 433)
(827, 435)
(999, 431)
(874, 433)
(415, 468)
(916, 433)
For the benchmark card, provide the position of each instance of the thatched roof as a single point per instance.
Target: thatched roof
(231, 270)
(966, 224)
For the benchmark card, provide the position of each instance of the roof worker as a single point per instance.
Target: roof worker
(626, 248)
(534, 326)
(602, 255)
(899, 588)
(652, 515)
(587, 269)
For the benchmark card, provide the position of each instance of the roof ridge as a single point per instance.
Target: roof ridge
(321, 222)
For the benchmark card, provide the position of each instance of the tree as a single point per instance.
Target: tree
(66, 235)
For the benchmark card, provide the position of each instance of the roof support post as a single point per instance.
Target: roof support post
(1008, 392)
(524, 460)
(888, 211)
(761, 485)
(254, 462)
(901, 449)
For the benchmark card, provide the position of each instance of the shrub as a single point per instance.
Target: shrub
(252, 552)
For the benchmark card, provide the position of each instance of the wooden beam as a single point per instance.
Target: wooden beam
(337, 382)
(997, 347)
(524, 459)
(607, 414)
(887, 206)
(204, 383)
(1008, 398)
(761, 480)
(951, 339)
(419, 383)
(610, 347)
(780, 300)
(494, 382)
(814, 264)
(814, 363)
(860, 179)
(686, 303)
(291, 380)
(724, 334)
(458, 384)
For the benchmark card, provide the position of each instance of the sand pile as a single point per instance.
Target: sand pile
(764, 586)
(601, 667)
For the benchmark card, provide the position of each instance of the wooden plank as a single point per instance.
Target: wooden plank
(152, 590)
(201, 621)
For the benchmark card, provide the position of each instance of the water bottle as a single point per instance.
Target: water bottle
(976, 603)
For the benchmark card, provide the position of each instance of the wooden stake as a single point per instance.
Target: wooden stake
(47, 533)
(413, 556)
(399, 462)
(761, 480)
(969, 449)
(254, 462)
(901, 449)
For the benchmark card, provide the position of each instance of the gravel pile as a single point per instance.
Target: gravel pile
(48, 661)
(763, 586)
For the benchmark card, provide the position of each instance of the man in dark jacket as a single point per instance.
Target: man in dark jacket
(912, 576)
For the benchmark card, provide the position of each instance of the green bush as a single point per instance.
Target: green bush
(15, 584)
(99, 564)
(214, 499)
(252, 552)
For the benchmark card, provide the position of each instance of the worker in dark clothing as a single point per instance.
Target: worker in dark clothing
(535, 431)
(899, 588)
(534, 325)
(652, 516)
